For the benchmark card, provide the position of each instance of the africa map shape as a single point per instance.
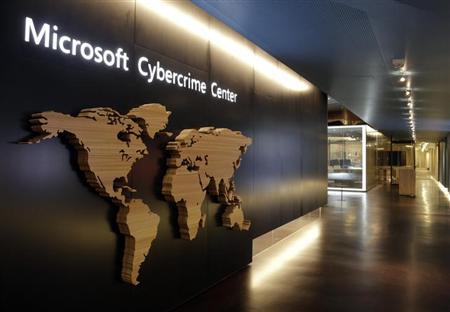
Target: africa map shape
(108, 144)
(202, 161)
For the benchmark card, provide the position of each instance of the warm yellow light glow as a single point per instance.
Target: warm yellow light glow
(402, 79)
(306, 236)
(424, 146)
(442, 188)
(348, 193)
(262, 65)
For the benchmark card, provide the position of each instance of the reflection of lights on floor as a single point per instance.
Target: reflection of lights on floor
(306, 236)
(443, 188)
(427, 205)
(344, 193)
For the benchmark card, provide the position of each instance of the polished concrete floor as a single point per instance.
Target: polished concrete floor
(370, 252)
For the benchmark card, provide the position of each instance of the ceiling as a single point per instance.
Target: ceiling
(346, 47)
(334, 105)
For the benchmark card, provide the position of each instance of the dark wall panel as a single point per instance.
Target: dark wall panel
(61, 248)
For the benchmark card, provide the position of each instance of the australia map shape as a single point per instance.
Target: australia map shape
(109, 143)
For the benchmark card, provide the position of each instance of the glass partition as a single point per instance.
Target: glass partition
(358, 158)
(347, 157)
(379, 148)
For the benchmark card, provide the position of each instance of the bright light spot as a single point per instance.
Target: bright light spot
(306, 236)
(424, 146)
(246, 55)
(345, 193)
(442, 188)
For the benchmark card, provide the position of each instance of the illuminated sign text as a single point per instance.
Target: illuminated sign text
(47, 35)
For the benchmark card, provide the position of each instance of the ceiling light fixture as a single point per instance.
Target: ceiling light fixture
(403, 79)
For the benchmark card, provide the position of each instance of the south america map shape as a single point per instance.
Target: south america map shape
(108, 144)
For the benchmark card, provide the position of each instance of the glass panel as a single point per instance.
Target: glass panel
(345, 157)
(382, 156)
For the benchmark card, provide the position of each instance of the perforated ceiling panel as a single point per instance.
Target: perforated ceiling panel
(346, 48)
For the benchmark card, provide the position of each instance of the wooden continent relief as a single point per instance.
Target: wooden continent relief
(108, 144)
(202, 161)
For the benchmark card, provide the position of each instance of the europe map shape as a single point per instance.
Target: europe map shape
(108, 144)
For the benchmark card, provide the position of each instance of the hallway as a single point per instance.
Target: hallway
(371, 252)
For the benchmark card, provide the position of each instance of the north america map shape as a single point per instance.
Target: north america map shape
(108, 144)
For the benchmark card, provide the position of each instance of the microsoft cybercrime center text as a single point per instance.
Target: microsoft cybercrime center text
(146, 69)
(49, 37)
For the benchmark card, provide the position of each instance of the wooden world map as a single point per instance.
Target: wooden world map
(108, 144)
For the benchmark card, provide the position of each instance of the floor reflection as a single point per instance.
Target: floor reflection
(375, 251)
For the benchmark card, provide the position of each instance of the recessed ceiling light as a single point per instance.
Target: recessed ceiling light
(403, 79)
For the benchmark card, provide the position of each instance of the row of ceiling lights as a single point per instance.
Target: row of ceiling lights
(409, 100)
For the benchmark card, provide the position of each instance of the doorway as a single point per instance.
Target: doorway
(427, 160)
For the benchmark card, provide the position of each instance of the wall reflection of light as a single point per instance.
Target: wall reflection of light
(303, 238)
(442, 188)
(235, 47)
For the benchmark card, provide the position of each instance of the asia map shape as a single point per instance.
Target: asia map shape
(108, 144)
(202, 161)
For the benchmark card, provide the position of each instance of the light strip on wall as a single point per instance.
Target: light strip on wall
(364, 160)
(267, 67)
(304, 238)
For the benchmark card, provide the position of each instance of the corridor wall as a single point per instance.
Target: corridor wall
(61, 248)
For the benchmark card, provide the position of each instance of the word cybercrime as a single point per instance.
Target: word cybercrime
(49, 37)
(157, 72)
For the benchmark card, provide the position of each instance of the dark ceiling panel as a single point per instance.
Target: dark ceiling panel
(438, 6)
(346, 48)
